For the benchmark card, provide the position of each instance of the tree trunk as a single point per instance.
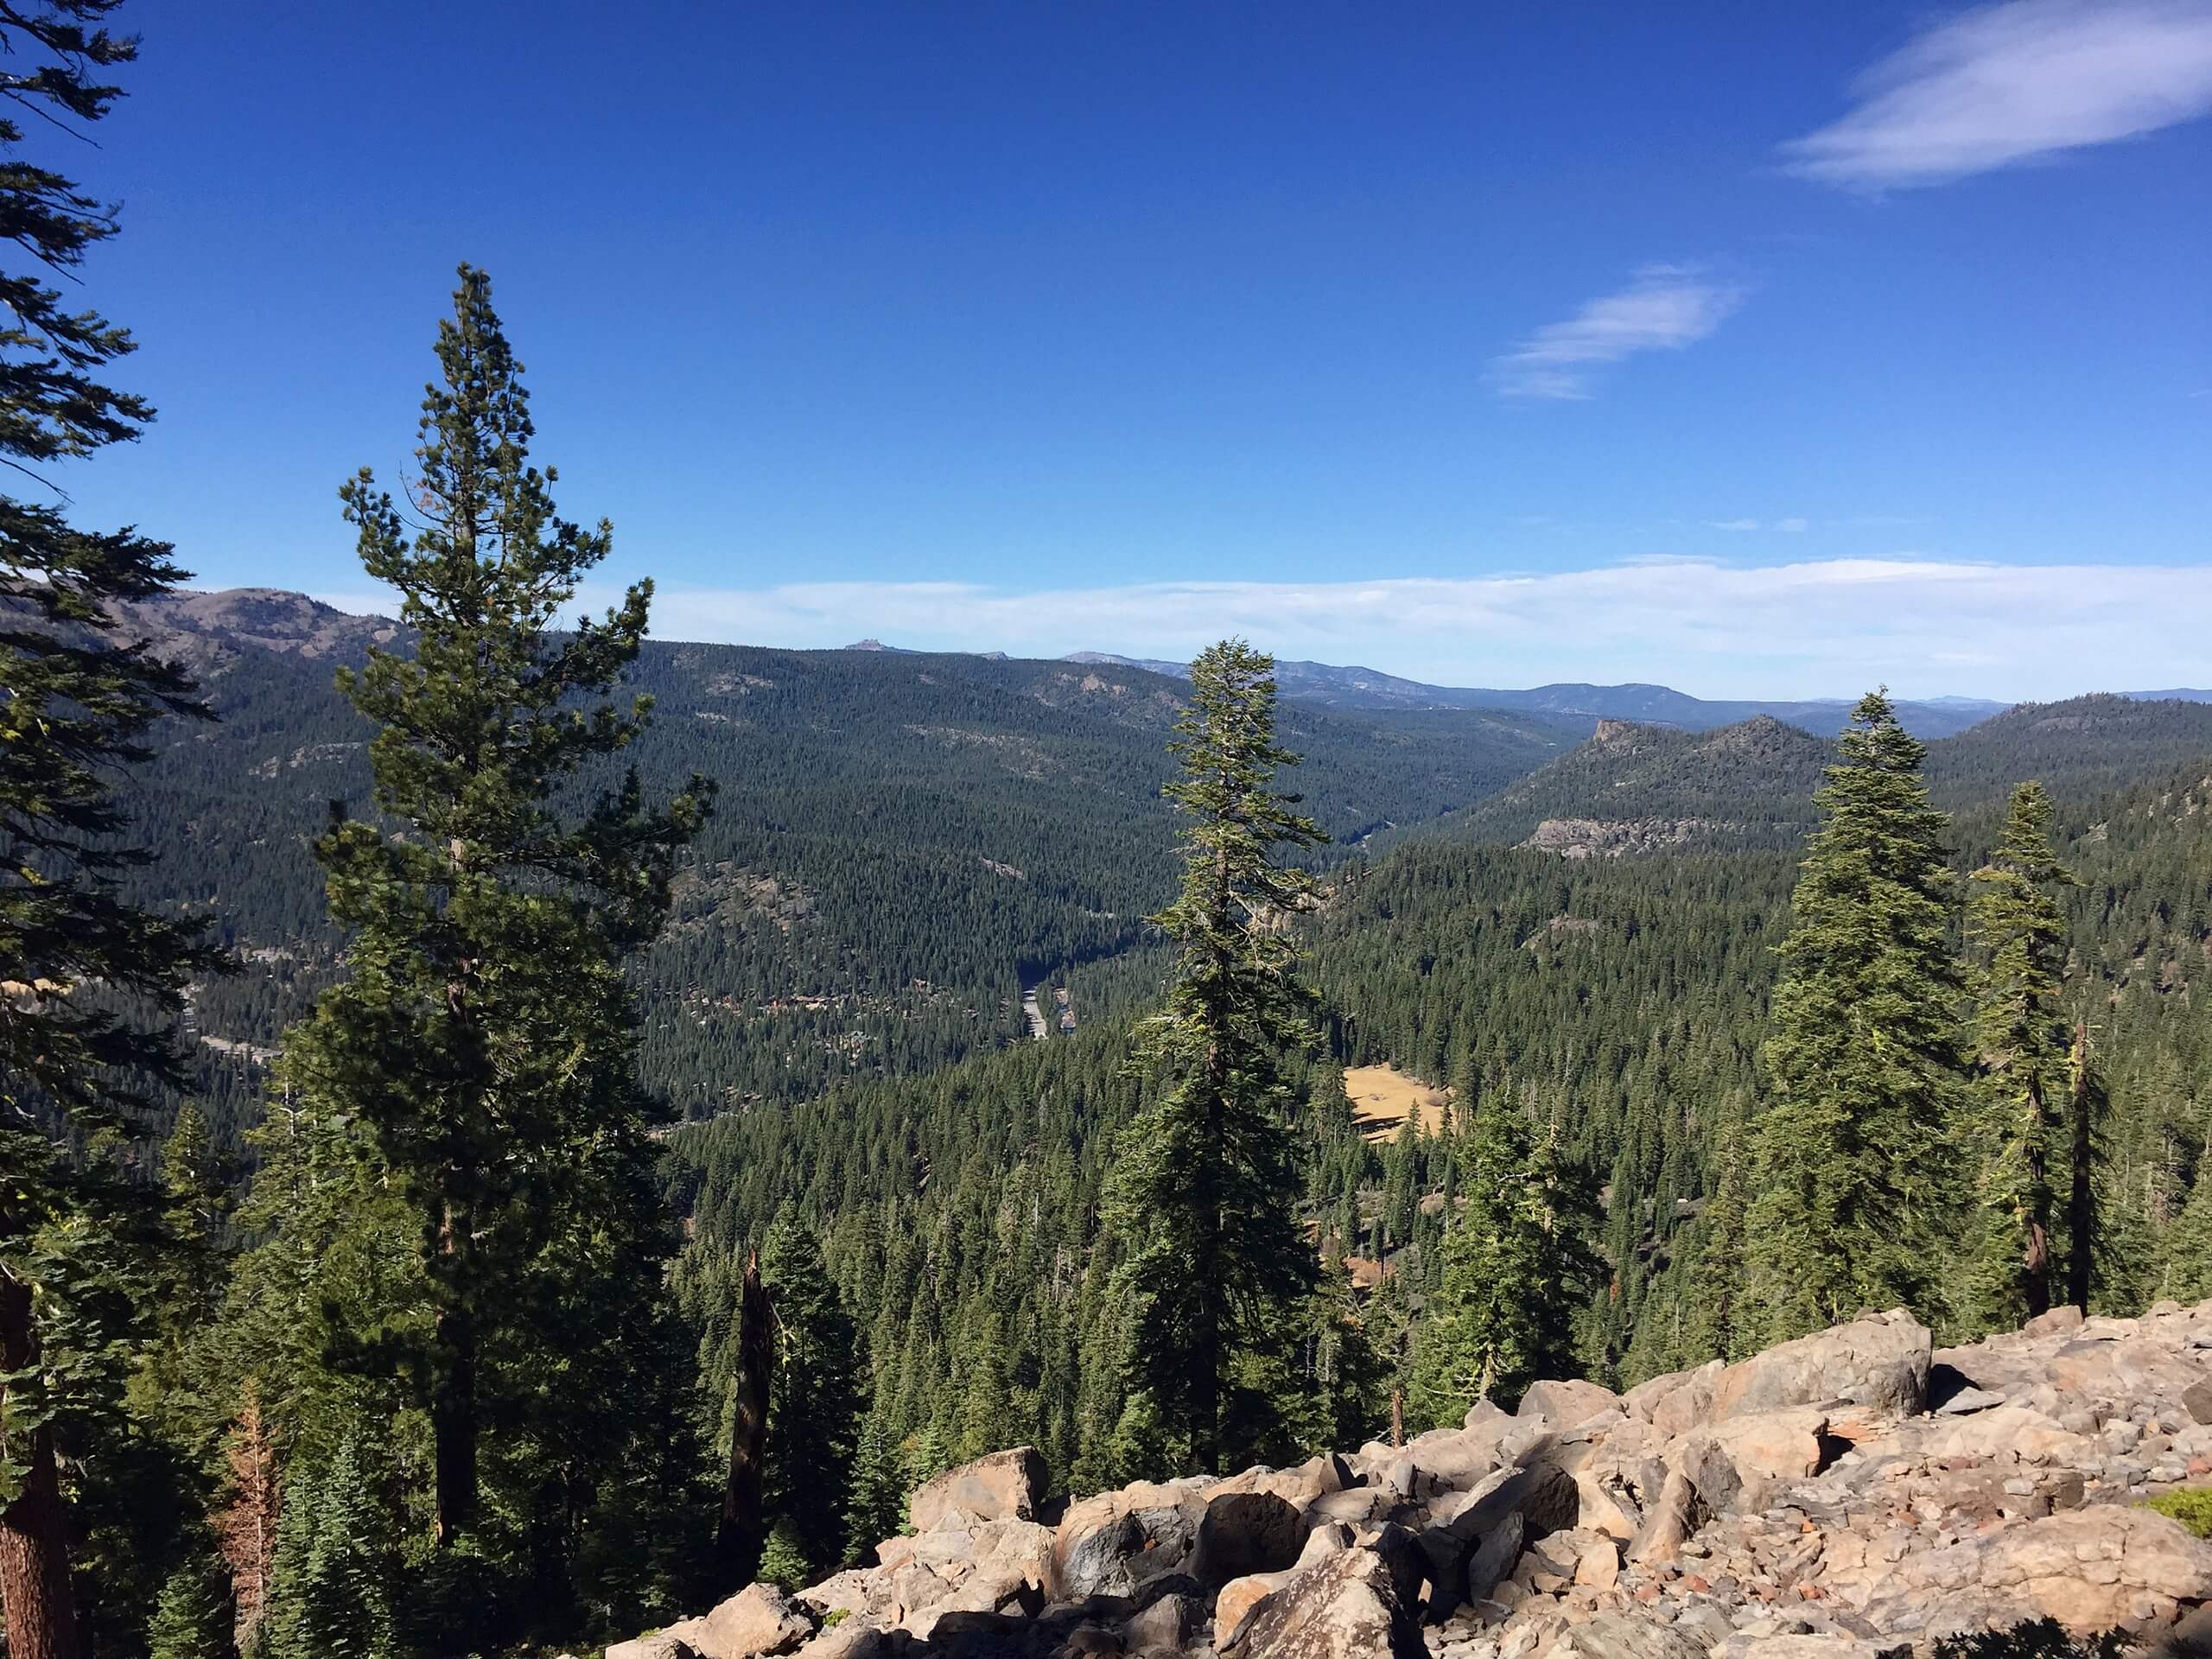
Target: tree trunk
(42, 1608)
(2081, 1203)
(2035, 1265)
(453, 1425)
(741, 1536)
(1397, 1417)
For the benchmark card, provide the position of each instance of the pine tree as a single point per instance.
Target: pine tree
(876, 1507)
(785, 1562)
(194, 1618)
(1518, 1265)
(1864, 1067)
(1719, 1320)
(2187, 1246)
(484, 1031)
(337, 1543)
(2087, 1105)
(2020, 1041)
(1346, 1373)
(1202, 1187)
(813, 1414)
(90, 984)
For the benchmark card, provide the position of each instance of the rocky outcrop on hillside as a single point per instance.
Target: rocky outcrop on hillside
(1847, 1495)
(1605, 838)
(205, 632)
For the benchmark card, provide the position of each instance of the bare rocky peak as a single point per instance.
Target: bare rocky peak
(1854, 1494)
(206, 630)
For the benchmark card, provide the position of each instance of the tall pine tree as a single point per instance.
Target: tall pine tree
(1517, 1266)
(1203, 1186)
(1864, 1067)
(814, 1400)
(2017, 1135)
(484, 1031)
(90, 984)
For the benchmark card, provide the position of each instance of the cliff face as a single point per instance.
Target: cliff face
(1848, 1494)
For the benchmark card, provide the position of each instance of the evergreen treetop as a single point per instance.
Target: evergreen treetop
(1203, 1188)
(2020, 1037)
(483, 1034)
(1864, 1063)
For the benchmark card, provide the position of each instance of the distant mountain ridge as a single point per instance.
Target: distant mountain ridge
(1658, 705)
(1635, 787)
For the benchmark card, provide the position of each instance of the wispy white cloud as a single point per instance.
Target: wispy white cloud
(1731, 524)
(1805, 628)
(2017, 82)
(1790, 526)
(1665, 308)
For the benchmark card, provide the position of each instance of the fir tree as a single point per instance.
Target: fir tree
(90, 983)
(1202, 1187)
(1719, 1319)
(1864, 1067)
(1347, 1374)
(2087, 1105)
(785, 1562)
(876, 1507)
(2020, 1041)
(484, 1030)
(2187, 1246)
(195, 1616)
(813, 1413)
(337, 1547)
(1516, 1268)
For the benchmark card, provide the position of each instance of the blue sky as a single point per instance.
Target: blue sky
(1758, 349)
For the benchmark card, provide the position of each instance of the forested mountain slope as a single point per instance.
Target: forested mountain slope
(1635, 788)
(898, 838)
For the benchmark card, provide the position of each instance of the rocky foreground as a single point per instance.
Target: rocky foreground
(1844, 1495)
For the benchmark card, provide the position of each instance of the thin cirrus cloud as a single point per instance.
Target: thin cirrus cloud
(2014, 83)
(1799, 628)
(1664, 309)
(1787, 526)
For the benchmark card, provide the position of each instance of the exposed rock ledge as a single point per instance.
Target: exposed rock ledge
(1843, 1496)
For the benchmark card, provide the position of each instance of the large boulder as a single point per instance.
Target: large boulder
(1003, 1486)
(1881, 1361)
(1779, 1445)
(1246, 1532)
(1566, 1404)
(1448, 1459)
(2005, 1434)
(759, 1620)
(2127, 1369)
(1239, 1598)
(659, 1645)
(1348, 1605)
(2100, 1568)
(1493, 1558)
(1532, 1501)
(1111, 1543)
(1674, 1515)
(1677, 1402)
(853, 1638)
